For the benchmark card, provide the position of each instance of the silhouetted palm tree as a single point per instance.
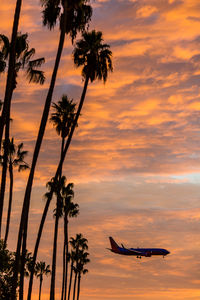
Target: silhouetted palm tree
(5, 116)
(62, 118)
(62, 192)
(82, 261)
(74, 15)
(95, 58)
(41, 269)
(22, 61)
(70, 210)
(78, 244)
(16, 156)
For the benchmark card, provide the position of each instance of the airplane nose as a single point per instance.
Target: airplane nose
(167, 252)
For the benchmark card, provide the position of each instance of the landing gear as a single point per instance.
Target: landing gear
(139, 256)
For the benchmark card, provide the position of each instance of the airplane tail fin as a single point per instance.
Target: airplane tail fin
(113, 244)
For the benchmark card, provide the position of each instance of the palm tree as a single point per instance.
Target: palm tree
(71, 257)
(11, 67)
(96, 62)
(16, 156)
(71, 210)
(41, 269)
(62, 118)
(82, 261)
(62, 192)
(74, 15)
(58, 215)
(22, 61)
(95, 58)
(78, 244)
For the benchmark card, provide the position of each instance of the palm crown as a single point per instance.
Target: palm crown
(16, 155)
(93, 55)
(78, 14)
(42, 269)
(23, 58)
(63, 116)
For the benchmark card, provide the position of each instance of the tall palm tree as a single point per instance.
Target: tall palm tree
(82, 261)
(16, 156)
(74, 15)
(41, 269)
(62, 192)
(22, 61)
(78, 244)
(5, 116)
(96, 62)
(62, 118)
(71, 210)
(71, 257)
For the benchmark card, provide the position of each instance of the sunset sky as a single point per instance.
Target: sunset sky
(135, 156)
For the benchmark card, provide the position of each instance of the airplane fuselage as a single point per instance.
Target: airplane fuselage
(147, 252)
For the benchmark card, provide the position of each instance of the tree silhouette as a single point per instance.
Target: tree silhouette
(62, 118)
(41, 269)
(82, 261)
(5, 116)
(22, 61)
(16, 156)
(62, 192)
(71, 210)
(78, 244)
(6, 271)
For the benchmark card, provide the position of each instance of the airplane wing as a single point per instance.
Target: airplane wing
(136, 252)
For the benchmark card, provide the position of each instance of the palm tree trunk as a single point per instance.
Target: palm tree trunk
(75, 280)
(66, 255)
(79, 283)
(37, 244)
(70, 281)
(4, 169)
(63, 277)
(11, 70)
(21, 283)
(40, 289)
(26, 204)
(59, 168)
(53, 272)
(10, 203)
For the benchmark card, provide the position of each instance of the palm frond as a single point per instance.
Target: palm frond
(21, 44)
(27, 56)
(51, 12)
(36, 62)
(35, 76)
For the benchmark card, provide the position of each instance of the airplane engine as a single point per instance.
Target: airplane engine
(148, 254)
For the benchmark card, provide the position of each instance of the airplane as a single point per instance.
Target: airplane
(138, 252)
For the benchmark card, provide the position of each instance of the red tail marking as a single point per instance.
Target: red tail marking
(113, 244)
